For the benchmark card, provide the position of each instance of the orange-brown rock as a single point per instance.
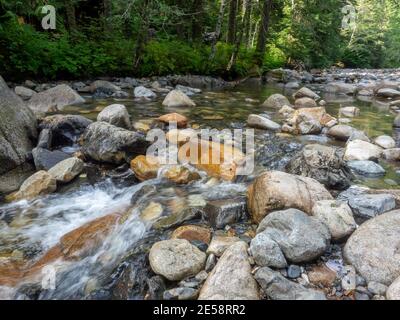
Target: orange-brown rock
(74, 245)
(181, 175)
(192, 232)
(83, 240)
(181, 121)
(322, 276)
(214, 158)
(10, 273)
(145, 167)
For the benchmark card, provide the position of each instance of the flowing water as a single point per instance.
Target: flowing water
(118, 267)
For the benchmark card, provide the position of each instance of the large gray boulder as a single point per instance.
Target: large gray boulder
(322, 163)
(17, 129)
(373, 249)
(54, 99)
(300, 237)
(231, 278)
(104, 142)
(64, 130)
(276, 101)
(117, 115)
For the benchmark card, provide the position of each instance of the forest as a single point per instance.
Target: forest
(228, 38)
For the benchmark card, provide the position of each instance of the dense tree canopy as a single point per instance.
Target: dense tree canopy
(220, 37)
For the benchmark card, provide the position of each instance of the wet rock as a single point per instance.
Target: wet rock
(377, 288)
(187, 90)
(106, 143)
(322, 276)
(396, 122)
(192, 232)
(45, 139)
(349, 279)
(13, 179)
(177, 218)
(340, 132)
(152, 212)
(361, 150)
(176, 99)
(366, 168)
(117, 115)
(143, 92)
(388, 93)
(103, 89)
(275, 190)
(358, 135)
(181, 293)
(141, 126)
(337, 216)
(385, 142)
(367, 206)
(143, 192)
(231, 278)
(180, 120)
(54, 99)
(17, 129)
(391, 154)
(306, 93)
(340, 88)
(65, 129)
(206, 158)
(24, 93)
(45, 159)
(278, 287)
(256, 121)
(349, 111)
(287, 112)
(308, 121)
(84, 240)
(373, 248)
(322, 163)
(305, 103)
(220, 213)
(293, 271)
(211, 262)
(145, 167)
(41, 183)
(156, 287)
(181, 175)
(300, 237)
(219, 244)
(276, 101)
(393, 292)
(266, 252)
(176, 259)
(66, 170)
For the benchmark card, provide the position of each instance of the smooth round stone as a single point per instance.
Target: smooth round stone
(294, 271)
(366, 168)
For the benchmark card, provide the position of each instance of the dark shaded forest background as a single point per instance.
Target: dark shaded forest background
(228, 38)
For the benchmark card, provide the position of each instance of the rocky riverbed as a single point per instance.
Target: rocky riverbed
(318, 218)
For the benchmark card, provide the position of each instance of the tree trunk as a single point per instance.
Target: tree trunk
(107, 5)
(233, 9)
(247, 26)
(70, 13)
(218, 29)
(246, 16)
(142, 33)
(197, 21)
(263, 32)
